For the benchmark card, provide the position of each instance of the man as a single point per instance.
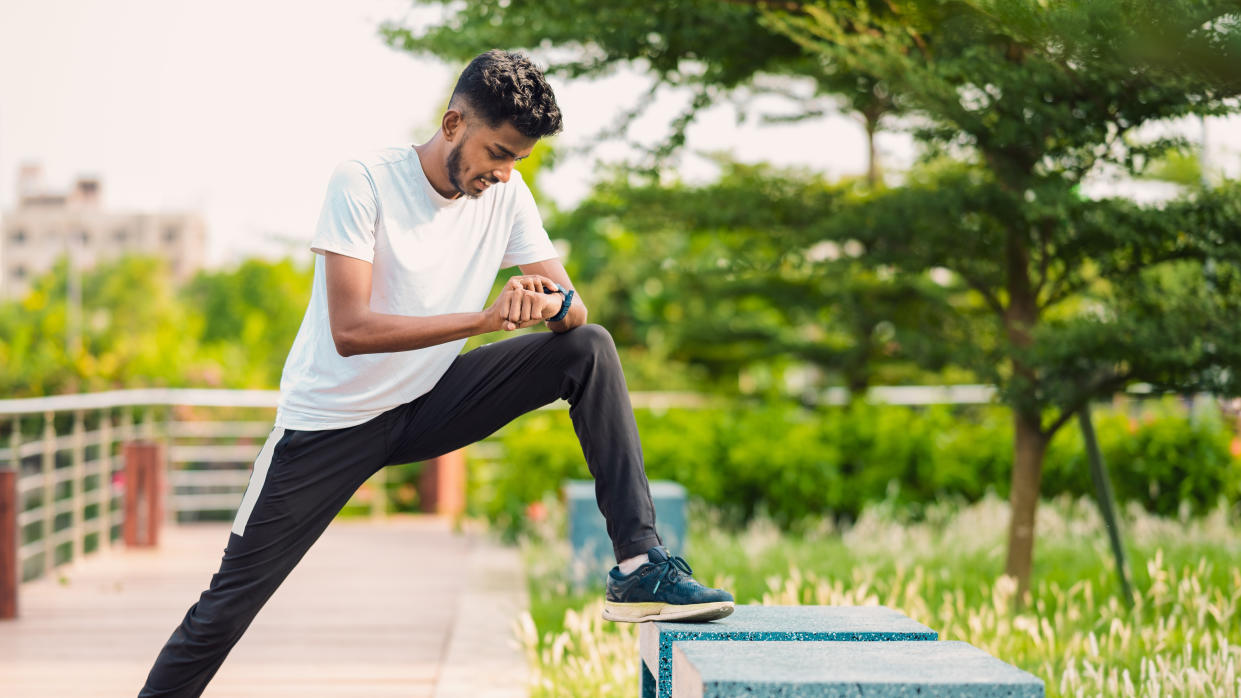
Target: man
(409, 242)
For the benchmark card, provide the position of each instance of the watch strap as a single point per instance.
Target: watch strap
(564, 307)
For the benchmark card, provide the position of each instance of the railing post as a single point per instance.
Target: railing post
(9, 544)
(144, 489)
(127, 436)
(79, 484)
(127, 424)
(15, 446)
(155, 492)
(167, 439)
(441, 486)
(104, 494)
(49, 491)
(10, 533)
(148, 424)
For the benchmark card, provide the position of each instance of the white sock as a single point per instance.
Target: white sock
(633, 563)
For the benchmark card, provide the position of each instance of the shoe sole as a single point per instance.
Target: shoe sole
(644, 612)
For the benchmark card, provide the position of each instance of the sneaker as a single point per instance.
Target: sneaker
(662, 589)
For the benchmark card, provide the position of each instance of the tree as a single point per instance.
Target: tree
(137, 329)
(133, 331)
(250, 318)
(1087, 296)
(715, 49)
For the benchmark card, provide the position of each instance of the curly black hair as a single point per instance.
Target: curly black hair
(507, 86)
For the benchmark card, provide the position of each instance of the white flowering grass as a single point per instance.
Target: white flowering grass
(1182, 636)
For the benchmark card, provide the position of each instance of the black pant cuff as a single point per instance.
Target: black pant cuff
(637, 548)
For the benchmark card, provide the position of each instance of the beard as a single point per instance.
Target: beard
(456, 171)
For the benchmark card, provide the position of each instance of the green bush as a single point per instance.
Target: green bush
(795, 465)
(1163, 460)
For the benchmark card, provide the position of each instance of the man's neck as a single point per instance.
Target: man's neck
(433, 155)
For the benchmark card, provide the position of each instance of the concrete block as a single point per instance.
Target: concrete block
(844, 670)
(751, 623)
(588, 533)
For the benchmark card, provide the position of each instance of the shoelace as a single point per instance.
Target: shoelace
(673, 569)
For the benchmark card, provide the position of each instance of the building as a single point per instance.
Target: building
(46, 227)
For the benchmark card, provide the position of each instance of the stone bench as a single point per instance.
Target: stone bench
(752, 624)
(844, 669)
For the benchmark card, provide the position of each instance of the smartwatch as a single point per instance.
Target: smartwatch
(564, 307)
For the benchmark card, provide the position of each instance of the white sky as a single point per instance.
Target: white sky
(241, 108)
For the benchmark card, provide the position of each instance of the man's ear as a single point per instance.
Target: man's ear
(452, 125)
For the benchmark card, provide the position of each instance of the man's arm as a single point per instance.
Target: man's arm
(554, 270)
(356, 329)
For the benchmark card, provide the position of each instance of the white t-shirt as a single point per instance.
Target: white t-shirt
(429, 256)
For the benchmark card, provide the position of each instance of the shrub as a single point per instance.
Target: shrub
(797, 465)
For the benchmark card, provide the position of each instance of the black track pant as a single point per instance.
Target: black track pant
(303, 478)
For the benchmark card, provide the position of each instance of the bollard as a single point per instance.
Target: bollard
(144, 493)
(441, 485)
(588, 533)
(9, 574)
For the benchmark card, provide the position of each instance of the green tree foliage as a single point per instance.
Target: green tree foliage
(130, 324)
(1178, 167)
(137, 329)
(736, 274)
(250, 318)
(713, 48)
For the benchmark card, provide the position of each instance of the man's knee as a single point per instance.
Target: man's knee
(590, 339)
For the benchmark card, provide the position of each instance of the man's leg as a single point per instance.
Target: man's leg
(488, 387)
(492, 385)
(300, 481)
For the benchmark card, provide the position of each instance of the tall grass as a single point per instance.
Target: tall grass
(1182, 636)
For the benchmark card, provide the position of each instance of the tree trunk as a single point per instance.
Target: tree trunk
(1030, 443)
(1030, 447)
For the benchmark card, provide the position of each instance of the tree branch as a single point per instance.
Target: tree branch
(786, 5)
(1043, 261)
(1111, 382)
(1063, 291)
(1061, 288)
(987, 295)
(917, 39)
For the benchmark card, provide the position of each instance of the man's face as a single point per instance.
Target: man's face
(485, 155)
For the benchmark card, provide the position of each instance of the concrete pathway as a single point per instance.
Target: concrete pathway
(405, 607)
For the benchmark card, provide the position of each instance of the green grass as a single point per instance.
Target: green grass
(1182, 637)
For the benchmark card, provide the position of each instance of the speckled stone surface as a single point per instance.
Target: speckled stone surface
(750, 623)
(588, 533)
(844, 670)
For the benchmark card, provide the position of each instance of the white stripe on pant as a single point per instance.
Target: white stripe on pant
(257, 477)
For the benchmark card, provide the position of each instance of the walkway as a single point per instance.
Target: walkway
(386, 609)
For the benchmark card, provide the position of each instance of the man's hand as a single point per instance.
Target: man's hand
(553, 270)
(524, 302)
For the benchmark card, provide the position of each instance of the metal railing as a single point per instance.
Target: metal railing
(64, 453)
(66, 500)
